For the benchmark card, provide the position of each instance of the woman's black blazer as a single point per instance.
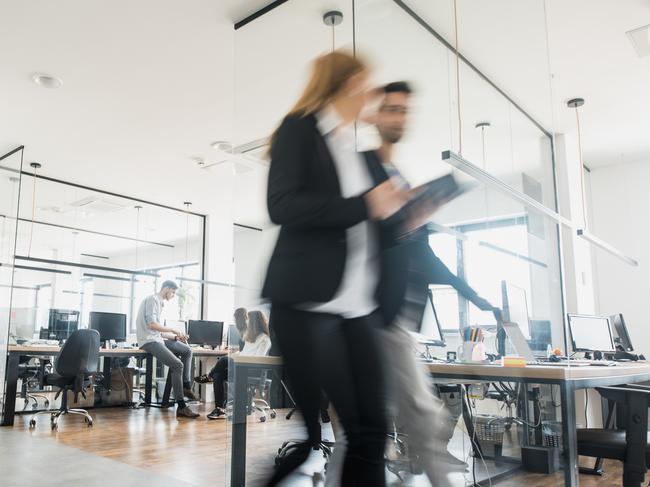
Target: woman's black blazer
(304, 198)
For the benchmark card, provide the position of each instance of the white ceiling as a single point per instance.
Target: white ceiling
(149, 84)
(146, 85)
(590, 57)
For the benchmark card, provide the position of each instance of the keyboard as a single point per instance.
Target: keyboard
(575, 363)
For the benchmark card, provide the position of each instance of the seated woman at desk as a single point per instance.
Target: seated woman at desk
(257, 342)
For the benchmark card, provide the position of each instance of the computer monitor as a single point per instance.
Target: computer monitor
(621, 335)
(62, 323)
(430, 330)
(591, 333)
(111, 326)
(515, 307)
(233, 337)
(205, 332)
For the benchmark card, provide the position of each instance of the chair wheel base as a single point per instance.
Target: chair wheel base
(273, 414)
(591, 471)
(32, 423)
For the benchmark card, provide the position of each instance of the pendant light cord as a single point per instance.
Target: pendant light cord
(137, 237)
(582, 172)
(460, 133)
(31, 230)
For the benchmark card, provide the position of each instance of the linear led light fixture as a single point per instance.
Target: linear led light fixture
(477, 173)
(84, 266)
(434, 227)
(111, 278)
(512, 254)
(214, 283)
(495, 183)
(37, 269)
(606, 247)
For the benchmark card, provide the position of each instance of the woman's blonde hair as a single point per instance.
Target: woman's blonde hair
(329, 74)
(257, 325)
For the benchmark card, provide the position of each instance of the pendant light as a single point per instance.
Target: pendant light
(583, 232)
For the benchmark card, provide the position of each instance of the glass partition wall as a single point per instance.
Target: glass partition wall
(503, 236)
(10, 186)
(87, 250)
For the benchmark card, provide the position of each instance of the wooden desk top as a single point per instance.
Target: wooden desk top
(623, 369)
(127, 352)
(251, 360)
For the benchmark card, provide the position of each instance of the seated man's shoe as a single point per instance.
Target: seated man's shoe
(203, 379)
(217, 413)
(188, 393)
(186, 412)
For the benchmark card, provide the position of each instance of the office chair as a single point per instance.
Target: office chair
(259, 389)
(628, 444)
(75, 364)
(29, 377)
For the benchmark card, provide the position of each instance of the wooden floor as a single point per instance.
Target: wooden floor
(196, 451)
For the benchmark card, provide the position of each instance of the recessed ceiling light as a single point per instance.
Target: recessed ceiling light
(47, 81)
(640, 39)
(222, 145)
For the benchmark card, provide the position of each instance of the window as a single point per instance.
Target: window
(493, 252)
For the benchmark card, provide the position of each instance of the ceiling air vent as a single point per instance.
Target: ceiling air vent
(97, 205)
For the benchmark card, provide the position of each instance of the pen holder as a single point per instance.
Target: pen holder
(465, 351)
(472, 352)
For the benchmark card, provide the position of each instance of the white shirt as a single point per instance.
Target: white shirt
(259, 348)
(356, 294)
(149, 312)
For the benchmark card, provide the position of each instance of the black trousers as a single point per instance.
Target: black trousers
(219, 375)
(341, 357)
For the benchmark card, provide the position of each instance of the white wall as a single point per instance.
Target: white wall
(619, 203)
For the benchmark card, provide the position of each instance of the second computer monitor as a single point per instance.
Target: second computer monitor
(111, 326)
(205, 332)
(515, 307)
(234, 338)
(62, 323)
(622, 337)
(430, 326)
(591, 333)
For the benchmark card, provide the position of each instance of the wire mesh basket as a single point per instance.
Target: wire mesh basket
(489, 429)
(552, 434)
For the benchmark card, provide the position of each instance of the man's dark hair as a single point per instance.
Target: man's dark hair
(398, 87)
(169, 285)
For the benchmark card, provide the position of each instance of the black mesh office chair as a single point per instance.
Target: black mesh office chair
(29, 375)
(74, 365)
(629, 443)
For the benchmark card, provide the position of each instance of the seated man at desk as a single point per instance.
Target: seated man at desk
(167, 345)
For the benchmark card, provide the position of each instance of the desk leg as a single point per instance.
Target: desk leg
(569, 437)
(11, 390)
(148, 379)
(238, 445)
(469, 424)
